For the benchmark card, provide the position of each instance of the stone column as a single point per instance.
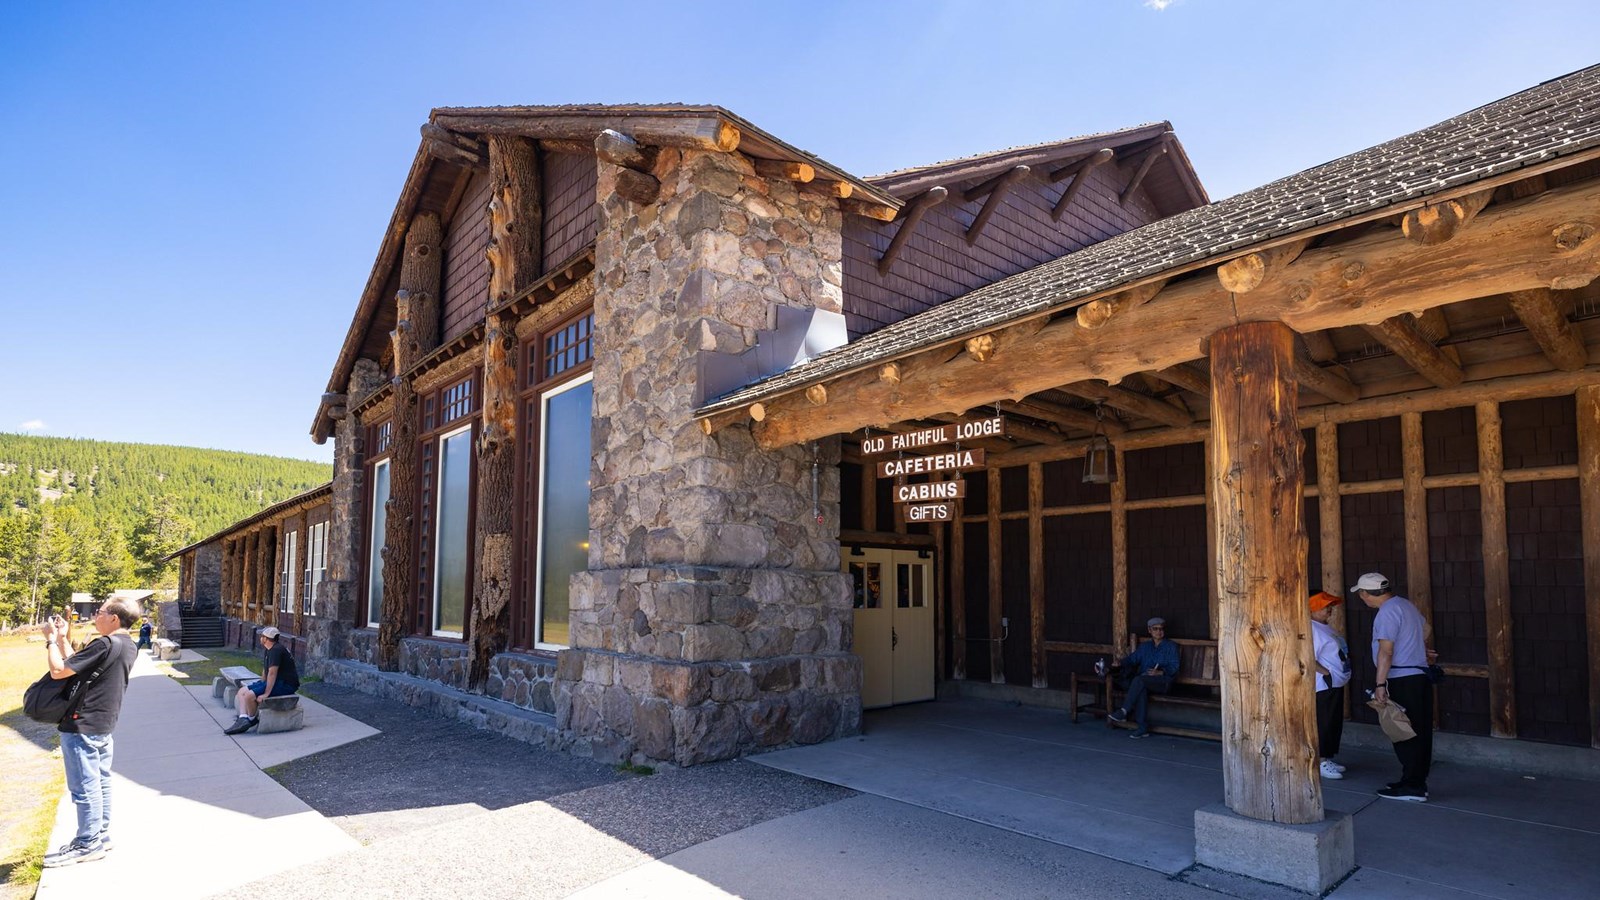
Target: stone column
(339, 594)
(713, 620)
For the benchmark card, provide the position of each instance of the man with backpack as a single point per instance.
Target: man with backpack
(103, 665)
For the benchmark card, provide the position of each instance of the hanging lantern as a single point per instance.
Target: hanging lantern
(1098, 465)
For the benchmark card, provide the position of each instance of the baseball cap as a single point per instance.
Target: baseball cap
(1154, 621)
(1372, 581)
(269, 632)
(1323, 600)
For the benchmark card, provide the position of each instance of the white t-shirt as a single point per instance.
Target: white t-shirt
(1332, 654)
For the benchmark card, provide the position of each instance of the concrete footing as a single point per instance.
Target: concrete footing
(1310, 858)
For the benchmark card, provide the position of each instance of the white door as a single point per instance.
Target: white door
(893, 624)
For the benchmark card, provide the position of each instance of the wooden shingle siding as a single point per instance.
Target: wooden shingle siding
(938, 264)
(466, 269)
(571, 217)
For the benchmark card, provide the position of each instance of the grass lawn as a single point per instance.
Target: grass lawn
(201, 672)
(32, 779)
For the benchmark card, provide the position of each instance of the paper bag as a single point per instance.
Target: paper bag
(1392, 717)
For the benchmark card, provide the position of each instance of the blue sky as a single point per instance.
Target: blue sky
(195, 192)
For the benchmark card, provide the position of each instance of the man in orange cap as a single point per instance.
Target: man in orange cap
(1333, 672)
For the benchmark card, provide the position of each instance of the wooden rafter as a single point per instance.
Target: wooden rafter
(1065, 416)
(786, 170)
(1439, 222)
(1319, 346)
(690, 132)
(1246, 273)
(453, 147)
(1541, 241)
(1097, 313)
(997, 193)
(1556, 336)
(911, 215)
(1132, 402)
(1150, 157)
(1079, 172)
(1187, 377)
(1401, 334)
(1329, 382)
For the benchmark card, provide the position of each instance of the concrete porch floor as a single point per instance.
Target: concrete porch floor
(1484, 833)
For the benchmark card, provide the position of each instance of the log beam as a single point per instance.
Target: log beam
(1150, 157)
(911, 215)
(996, 194)
(449, 146)
(1414, 501)
(1329, 382)
(620, 150)
(1079, 172)
(1319, 346)
(1036, 585)
(1401, 335)
(1540, 241)
(638, 187)
(785, 170)
(1557, 337)
(1065, 416)
(1589, 502)
(686, 132)
(1096, 313)
(1246, 273)
(1439, 222)
(1496, 572)
(1137, 404)
(1269, 747)
(1187, 377)
(869, 210)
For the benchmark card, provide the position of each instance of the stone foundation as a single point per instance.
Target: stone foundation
(1310, 858)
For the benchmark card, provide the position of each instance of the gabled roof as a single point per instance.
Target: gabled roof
(315, 493)
(1554, 120)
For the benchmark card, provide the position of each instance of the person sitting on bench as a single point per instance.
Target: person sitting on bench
(282, 678)
(1149, 669)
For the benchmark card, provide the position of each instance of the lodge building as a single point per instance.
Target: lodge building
(610, 425)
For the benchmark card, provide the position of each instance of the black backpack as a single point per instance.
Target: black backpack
(51, 700)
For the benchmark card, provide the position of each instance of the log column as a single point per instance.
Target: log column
(1496, 572)
(1264, 640)
(1589, 494)
(416, 322)
(514, 257)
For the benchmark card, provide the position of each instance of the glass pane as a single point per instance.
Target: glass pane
(564, 503)
(450, 569)
(903, 586)
(918, 576)
(380, 522)
(869, 585)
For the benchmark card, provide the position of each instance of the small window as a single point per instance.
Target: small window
(457, 402)
(316, 566)
(568, 346)
(286, 578)
(383, 438)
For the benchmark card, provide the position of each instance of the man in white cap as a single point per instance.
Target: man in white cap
(1400, 656)
(282, 678)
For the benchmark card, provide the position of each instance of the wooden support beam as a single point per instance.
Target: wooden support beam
(1246, 273)
(1036, 586)
(1319, 346)
(1589, 502)
(1496, 572)
(831, 187)
(1119, 557)
(1065, 416)
(573, 147)
(958, 597)
(692, 133)
(1079, 172)
(911, 214)
(869, 210)
(1097, 313)
(1439, 222)
(785, 169)
(1522, 244)
(620, 150)
(444, 144)
(1414, 499)
(1400, 334)
(1330, 519)
(1128, 401)
(1269, 746)
(997, 193)
(1214, 559)
(1557, 337)
(1150, 157)
(997, 655)
(1329, 382)
(817, 395)
(1187, 377)
(981, 348)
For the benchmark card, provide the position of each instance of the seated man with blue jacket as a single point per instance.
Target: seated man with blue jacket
(1148, 669)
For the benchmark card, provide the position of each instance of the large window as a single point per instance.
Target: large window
(286, 578)
(452, 538)
(316, 566)
(378, 523)
(564, 455)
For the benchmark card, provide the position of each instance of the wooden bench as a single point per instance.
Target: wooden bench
(1197, 685)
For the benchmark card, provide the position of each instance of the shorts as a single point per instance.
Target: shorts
(278, 690)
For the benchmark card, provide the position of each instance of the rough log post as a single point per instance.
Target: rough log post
(1036, 573)
(1589, 499)
(1496, 573)
(1119, 560)
(1419, 586)
(1329, 517)
(1213, 599)
(958, 593)
(416, 332)
(515, 214)
(997, 654)
(1269, 747)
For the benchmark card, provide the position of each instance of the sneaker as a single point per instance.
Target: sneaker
(1330, 771)
(105, 841)
(1118, 715)
(75, 852)
(1400, 792)
(1139, 734)
(1335, 765)
(240, 725)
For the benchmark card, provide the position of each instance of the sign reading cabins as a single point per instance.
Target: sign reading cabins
(929, 501)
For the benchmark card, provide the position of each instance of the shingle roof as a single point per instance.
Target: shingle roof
(1554, 119)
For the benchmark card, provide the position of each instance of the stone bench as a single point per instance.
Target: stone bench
(165, 649)
(282, 713)
(225, 687)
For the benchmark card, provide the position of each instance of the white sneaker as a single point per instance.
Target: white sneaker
(1335, 765)
(1330, 770)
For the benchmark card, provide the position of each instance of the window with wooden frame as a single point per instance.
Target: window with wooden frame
(316, 564)
(286, 577)
(380, 440)
(448, 469)
(554, 483)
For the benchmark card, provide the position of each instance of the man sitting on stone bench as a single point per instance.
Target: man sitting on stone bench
(282, 679)
(1148, 669)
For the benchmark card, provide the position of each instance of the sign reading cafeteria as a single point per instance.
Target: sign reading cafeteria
(929, 491)
(954, 461)
(928, 437)
(931, 512)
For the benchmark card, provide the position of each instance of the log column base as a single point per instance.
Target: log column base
(1310, 858)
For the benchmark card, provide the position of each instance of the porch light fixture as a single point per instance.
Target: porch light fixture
(1098, 467)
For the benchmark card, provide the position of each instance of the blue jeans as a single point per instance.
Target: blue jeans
(88, 761)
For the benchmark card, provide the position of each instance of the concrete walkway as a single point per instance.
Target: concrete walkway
(1485, 832)
(186, 797)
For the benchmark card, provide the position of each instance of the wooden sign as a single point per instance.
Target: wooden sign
(928, 437)
(954, 461)
(930, 491)
(930, 512)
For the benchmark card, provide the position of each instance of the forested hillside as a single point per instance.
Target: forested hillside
(80, 515)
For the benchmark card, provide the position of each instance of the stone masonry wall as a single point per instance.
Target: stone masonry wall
(208, 580)
(713, 620)
(338, 593)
